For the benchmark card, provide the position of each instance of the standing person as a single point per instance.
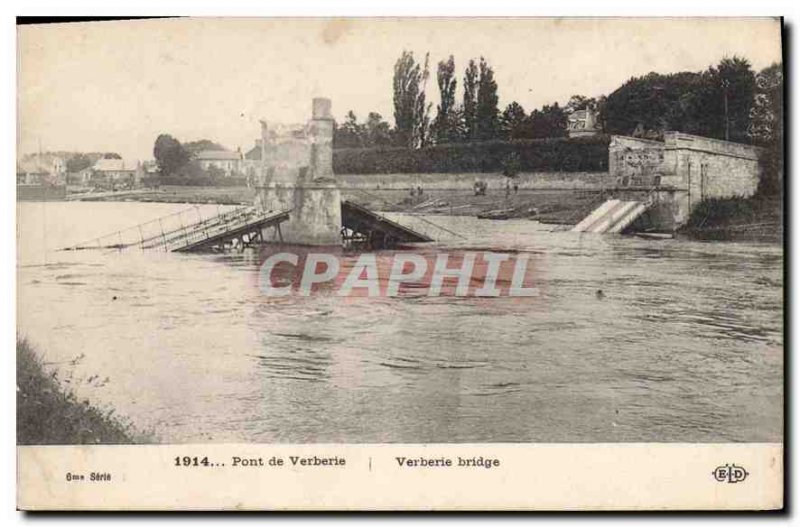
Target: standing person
(516, 188)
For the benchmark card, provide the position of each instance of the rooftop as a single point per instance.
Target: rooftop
(112, 165)
(218, 155)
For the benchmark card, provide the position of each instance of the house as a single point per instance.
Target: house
(581, 123)
(252, 162)
(229, 162)
(110, 173)
(41, 169)
(149, 168)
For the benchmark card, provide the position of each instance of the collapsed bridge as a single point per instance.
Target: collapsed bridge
(298, 201)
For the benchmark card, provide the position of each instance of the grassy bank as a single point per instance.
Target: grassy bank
(758, 218)
(48, 414)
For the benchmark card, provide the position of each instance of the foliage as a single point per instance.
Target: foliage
(170, 155)
(581, 102)
(445, 128)
(715, 211)
(486, 119)
(550, 121)
(378, 131)
(689, 102)
(470, 101)
(177, 166)
(410, 111)
(79, 162)
(351, 134)
(511, 165)
(578, 154)
(733, 83)
(512, 121)
(766, 128)
(755, 218)
(193, 147)
(47, 414)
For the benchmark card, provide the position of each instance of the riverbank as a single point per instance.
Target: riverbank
(565, 207)
(755, 219)
(732, 219)
(49, 414)
(559, 206)
(174, 194)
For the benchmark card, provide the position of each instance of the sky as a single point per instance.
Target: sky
(115, 86)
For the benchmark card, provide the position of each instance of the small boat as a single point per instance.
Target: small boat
(502, 214)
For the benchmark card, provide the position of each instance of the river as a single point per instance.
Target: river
(685, 345)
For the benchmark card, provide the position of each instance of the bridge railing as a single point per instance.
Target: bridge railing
(155, 233)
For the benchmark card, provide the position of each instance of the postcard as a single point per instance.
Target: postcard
(400, 264)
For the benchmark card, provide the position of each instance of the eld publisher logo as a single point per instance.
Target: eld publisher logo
(730, 473)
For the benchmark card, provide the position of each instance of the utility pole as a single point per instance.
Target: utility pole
(725, 84)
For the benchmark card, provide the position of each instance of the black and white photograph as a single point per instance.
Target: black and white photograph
(399, 231)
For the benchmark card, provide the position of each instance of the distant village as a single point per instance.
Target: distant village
(109, 171)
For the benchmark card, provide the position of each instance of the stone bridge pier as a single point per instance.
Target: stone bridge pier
(297, 173)
(679, 172)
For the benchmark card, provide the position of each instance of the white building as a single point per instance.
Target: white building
(38, 169)
(229, 162)
(581, 123)
(116, 172)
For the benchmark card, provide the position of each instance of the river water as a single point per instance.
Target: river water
(686, 344)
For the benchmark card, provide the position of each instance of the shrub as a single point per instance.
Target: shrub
(713, 212)
(49, 414)
(585, 154)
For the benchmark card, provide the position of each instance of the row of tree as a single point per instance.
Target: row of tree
(727, 101)
(473, 117)
(718, 102)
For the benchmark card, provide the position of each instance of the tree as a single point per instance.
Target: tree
(602, 113)
(656, 102)
(766, 128)
(214, 173)
(422, 120)
(350, 134)
(512, 121)
(511, 165)
(193, 147)
(79, 162)
(378, 132)
(470, 100)
(444, 126)
(410, 111)
(691, 102)
(581, 102)
(170, 155)
(766, 115)
(550, 121)
(733, 87)
(486, 122)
